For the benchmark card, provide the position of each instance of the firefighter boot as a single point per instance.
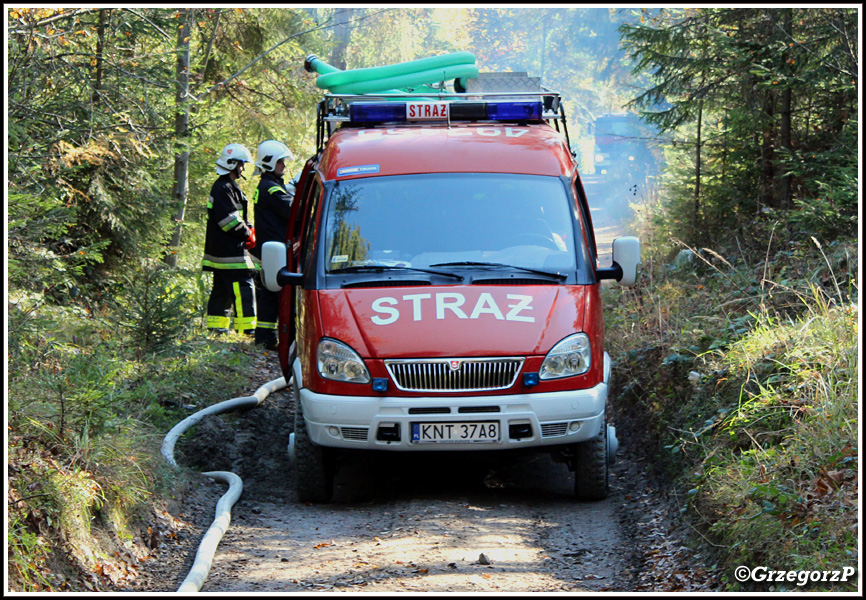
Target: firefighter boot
(266, 338)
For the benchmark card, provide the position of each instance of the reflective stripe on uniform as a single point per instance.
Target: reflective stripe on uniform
(265, 325)
(275, 189)
(218, 322)
(242, 322)
(228, 262)
(245, 323)
(230, 222)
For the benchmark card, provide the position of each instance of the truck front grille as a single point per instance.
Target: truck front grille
(454, 374)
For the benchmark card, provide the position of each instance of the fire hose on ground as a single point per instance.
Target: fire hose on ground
(417, 74)
(207, 548)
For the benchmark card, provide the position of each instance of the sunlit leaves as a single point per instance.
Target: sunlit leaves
(771, 88)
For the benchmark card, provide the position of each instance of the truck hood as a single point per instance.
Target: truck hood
(412, 322)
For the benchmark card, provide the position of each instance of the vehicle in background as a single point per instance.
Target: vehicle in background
(625, 147)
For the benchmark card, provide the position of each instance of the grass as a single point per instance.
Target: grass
(87, 411)
(779, 480)
(747, 388)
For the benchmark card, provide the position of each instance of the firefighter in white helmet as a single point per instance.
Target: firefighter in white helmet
(273, 203)
(229, 238)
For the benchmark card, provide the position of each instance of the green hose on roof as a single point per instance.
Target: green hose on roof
(394, 78)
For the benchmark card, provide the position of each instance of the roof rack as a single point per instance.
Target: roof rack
(441, 106)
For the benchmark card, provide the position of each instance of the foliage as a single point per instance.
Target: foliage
(81, 145)
(85, 407)
(745, 378)
(157, 308)
(574, 50)
(760, 105)
(28, 555)
(780, 468)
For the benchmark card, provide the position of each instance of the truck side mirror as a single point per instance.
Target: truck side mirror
(626, 258)
(276, 275)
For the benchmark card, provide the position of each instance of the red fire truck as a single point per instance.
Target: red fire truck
(440, 287)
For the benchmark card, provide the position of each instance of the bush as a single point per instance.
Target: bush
(158, 306)
(742, 375)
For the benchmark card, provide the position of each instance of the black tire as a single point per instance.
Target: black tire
(314, 466)
(590, 466)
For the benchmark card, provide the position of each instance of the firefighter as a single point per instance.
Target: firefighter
(228, 240)
(273, 202)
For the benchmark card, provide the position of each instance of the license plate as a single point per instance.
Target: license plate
(455, 433)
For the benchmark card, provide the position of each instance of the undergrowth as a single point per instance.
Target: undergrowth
(743, 376)
(88, 405)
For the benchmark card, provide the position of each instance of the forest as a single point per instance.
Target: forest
(737, 352)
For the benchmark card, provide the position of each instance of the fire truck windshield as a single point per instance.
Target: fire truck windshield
(422, 220)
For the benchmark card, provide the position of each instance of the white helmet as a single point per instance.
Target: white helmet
(269, 153)
(229, 158)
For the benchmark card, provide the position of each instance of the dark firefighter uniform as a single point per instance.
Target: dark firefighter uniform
(231, 263)
(273, 203)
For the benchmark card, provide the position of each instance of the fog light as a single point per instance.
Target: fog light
(574, 426)
(334, 431)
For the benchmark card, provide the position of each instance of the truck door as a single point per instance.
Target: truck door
(308, 187)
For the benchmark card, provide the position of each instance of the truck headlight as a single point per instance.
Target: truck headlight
(338, 362)
(569, 357)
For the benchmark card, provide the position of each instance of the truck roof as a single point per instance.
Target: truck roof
(533, 149)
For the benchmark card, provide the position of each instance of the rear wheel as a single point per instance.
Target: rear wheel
(590, 464)
(314, 465)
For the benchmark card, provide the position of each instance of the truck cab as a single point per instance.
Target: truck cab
(440, 287)
(625, 147)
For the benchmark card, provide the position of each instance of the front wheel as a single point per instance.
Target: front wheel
(314, 465)
(590, 464)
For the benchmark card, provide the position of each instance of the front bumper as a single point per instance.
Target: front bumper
(385, 423)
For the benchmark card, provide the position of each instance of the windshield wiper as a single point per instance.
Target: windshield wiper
(375, 268)
(470, 263)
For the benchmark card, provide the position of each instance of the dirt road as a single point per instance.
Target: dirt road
(403, 523)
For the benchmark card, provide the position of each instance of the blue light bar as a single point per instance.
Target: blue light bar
(396, 112)
(377, 113)
(514, 111)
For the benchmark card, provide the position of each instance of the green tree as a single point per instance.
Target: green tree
(745, 91)
(85, 113)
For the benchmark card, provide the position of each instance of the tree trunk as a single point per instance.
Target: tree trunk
(181, 131)
(785, 124)
(697, 215)
(767, 151)
(342, 33)
(100, 51)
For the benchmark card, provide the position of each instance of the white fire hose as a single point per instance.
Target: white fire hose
(206, 550)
